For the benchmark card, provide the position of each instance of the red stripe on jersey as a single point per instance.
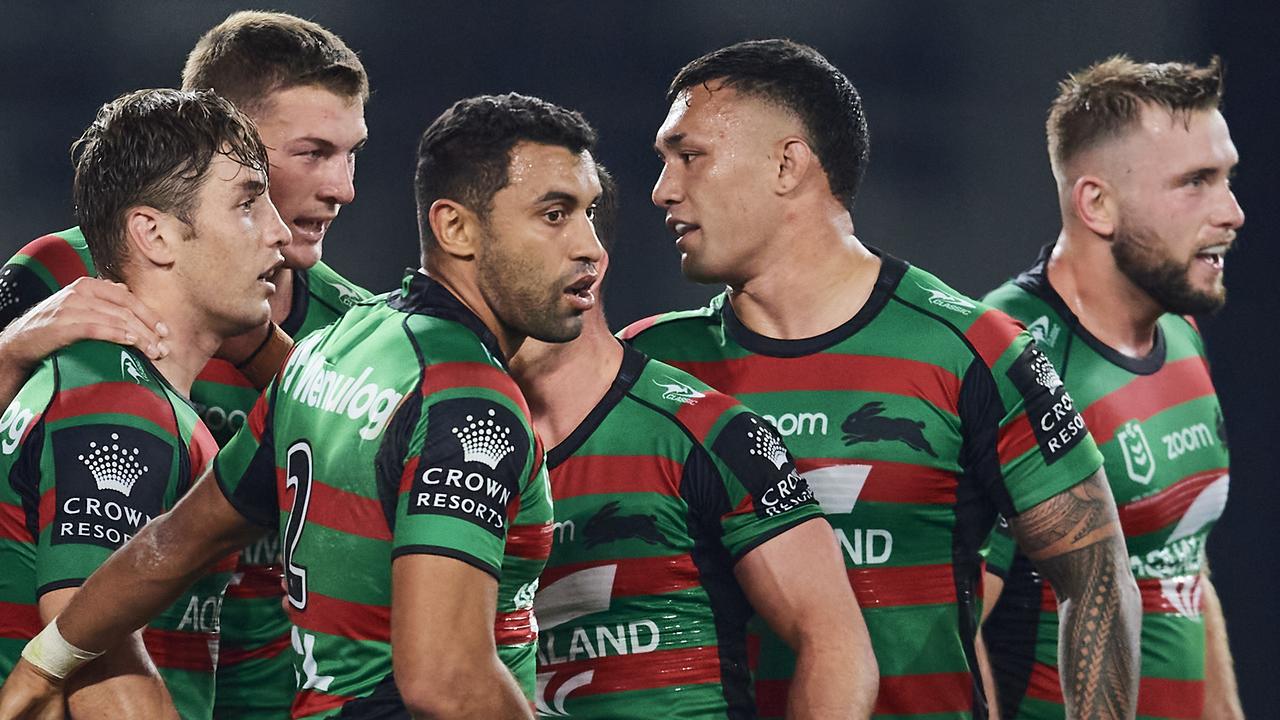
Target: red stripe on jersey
(831, 372)
(1152, 593)
(113, 398)
(1015, 438)
(991, 334)
(529, 542)
(446, 376)
(1044, 684)
(223, 373)
(1167, 506)
(896, 586)
(13, 523)
(637, 576)
(19, 621)
(514, 628)
(309, 702)
(48, 504)
(1144, 396)
(229, 655)
(257, 581)
(638, 327)
(1173, 699)
(895, 482)
(700, 416)
(340, 618)
(612, 474)
(201, 450)
(58, 257)
(258, 418)
(339, 510)
(181, 650)
(641, 671)
(899, 695)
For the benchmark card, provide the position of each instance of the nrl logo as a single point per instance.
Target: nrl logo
(1044, 332)
(950, 301)
(346, 295)
(1138, 459)
(483, 441)
(678, 391)
(131, 368)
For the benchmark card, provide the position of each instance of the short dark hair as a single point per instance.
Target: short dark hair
(799, 79)
(153, 147)
(1105, 99)
(465, 153)
(605, 219)
(252, 54)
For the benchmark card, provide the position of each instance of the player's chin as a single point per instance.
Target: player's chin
(302, 255)
(558, 330)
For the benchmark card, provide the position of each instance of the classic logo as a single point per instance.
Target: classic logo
(1044, 332)
(346, 295)
(675, 390)
(13, 423)
(1184, 594)
(1138, 458)
(608, 526)
(483, 441)
(131, 368)
(767, 445)
(114, 467)
(948, 300)
(1055, 422)
(867, 425)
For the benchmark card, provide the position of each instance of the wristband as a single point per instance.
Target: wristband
(53, 655)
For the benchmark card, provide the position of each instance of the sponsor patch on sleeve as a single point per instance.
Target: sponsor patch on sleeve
(754, 451)
(471, 464)
(20, 289)
(1054, 419)
(111, 481)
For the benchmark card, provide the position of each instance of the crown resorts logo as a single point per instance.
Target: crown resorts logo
(8, 289)
(484, 441)
(767, 445)
(114, 467)
(1046, 373)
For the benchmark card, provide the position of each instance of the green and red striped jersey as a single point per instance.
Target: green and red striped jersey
(1160, 428)
(664, 486)
(914, 423)
(255, 674)
(94, 446)
(394, 431)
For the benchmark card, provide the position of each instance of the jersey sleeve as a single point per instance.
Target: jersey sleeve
(37, 271)
(460, 491)
(766, 495)
(1024, 439)
(246, 467)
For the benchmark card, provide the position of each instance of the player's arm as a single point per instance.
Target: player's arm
(1074, 539)
(166, 556)
(87, 309)
(1221, 696)
(446, 664)
(992, 586)
(797, 583)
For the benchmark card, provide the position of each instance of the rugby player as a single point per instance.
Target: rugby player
(915, 413)
(170, 188)
(306, 91)
(672, 527)
(1142, 158)
(394, 454)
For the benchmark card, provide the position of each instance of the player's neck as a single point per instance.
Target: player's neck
(191, 340)
(815, 284)
(282, 300)
(462, 285)
(1083, 272)
(563, 382)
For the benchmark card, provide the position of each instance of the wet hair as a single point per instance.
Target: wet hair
(1105, 100)
(799, 79)
(252, 54)
(154, 148)
(464, 155)
(605, 219)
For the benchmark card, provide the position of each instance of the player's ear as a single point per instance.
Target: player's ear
(152, 235)
(1093, 200)
(456, 228)
(795, 161)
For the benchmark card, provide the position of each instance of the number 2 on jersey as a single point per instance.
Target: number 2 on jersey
(297, 474)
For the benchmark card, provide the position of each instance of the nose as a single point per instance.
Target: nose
(340, 180)
(1231, 214)
(586, 247)
(666, 191)
(276, 233)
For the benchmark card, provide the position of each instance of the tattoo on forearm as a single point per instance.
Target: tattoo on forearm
(1071, 516)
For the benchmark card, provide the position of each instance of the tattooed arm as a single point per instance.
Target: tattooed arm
(1075, 540)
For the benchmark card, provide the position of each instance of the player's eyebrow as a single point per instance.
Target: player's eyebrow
(250, 185)
(670, 140)
(554, 196)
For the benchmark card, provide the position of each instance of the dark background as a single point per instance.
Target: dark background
(959, 182)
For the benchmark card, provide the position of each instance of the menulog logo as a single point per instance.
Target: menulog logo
(308, 381)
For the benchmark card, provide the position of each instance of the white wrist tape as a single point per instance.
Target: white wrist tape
(51, 652)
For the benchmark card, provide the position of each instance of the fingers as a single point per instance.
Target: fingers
(118, 294)
(88, 309)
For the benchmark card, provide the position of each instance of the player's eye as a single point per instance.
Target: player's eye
(554, 216)
(247, 205)
(591, 212)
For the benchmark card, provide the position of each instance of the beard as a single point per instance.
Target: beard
(1137, 252)
(509, 284)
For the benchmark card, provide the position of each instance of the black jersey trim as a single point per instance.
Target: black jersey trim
(448, 552)
(423, 295)
(1035, 280)
(266, 514)
(298, 304)
(382, 703)
(633, 364)
(1010, 633)
(763, 538)
(891, 271)
(58, 585)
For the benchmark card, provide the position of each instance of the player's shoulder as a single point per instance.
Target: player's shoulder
(326, 284)
(1182, 335)
(675, 325)
(63, 248)
(981, 329)
(103, 379)
(699, 409)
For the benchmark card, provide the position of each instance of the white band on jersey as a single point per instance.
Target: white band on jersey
(51, 652)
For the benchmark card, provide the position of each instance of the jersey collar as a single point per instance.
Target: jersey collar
(633, 363)
(421, 294)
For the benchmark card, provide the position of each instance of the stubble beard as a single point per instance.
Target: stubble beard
(1165, 279)
(508, 284)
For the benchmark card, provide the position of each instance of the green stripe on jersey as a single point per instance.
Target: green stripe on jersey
(877, 412)
(1159, 426)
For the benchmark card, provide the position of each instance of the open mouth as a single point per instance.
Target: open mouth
(310, 229)
(267, 277)
(680, 227)
(580, 294)
(1213, 255)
